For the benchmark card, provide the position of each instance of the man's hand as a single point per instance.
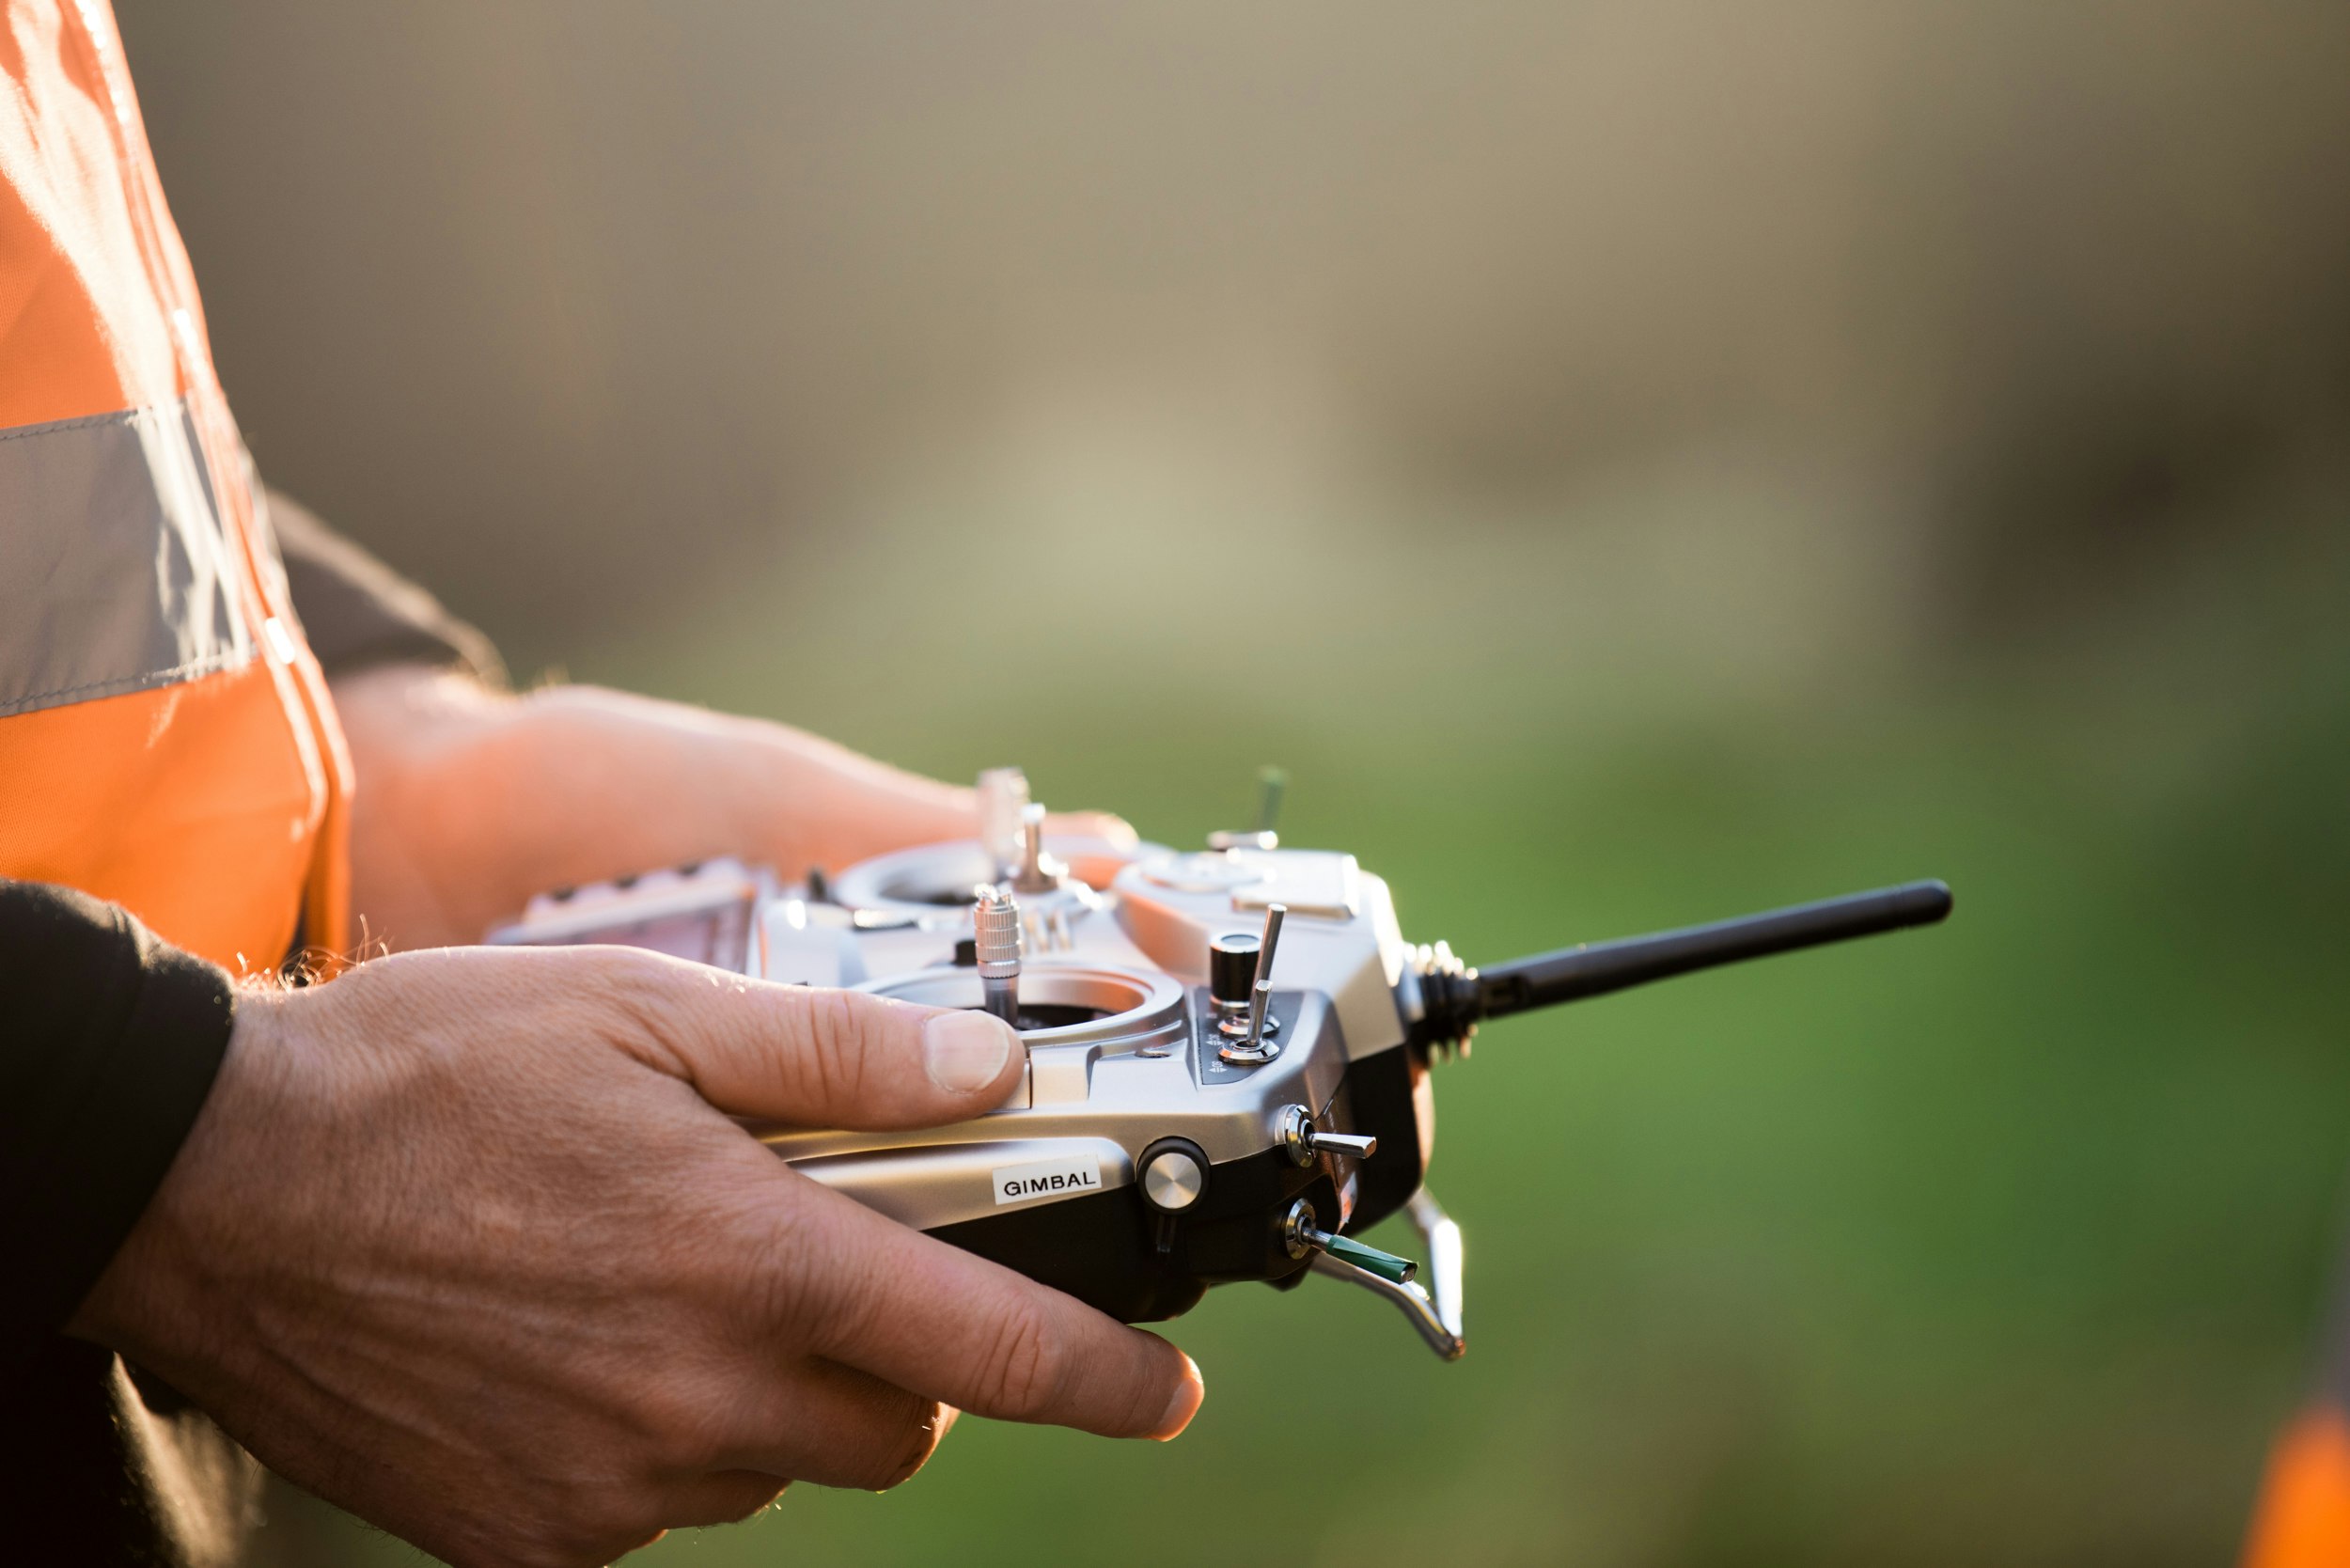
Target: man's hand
(466, 1243)
(470, 800)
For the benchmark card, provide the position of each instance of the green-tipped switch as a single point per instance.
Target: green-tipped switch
(1303, 1236)
(1386, 1265)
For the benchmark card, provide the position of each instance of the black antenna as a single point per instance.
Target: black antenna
(1455, 1003)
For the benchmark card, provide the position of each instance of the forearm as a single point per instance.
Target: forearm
(469, 801)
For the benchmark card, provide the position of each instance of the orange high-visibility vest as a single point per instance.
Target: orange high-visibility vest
(167, 740)
(2303, 1520)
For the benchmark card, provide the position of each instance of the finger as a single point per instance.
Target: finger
(725, 1497)
(943, 1323)
(836, 1426)
(1112, 830)
(815, 1056)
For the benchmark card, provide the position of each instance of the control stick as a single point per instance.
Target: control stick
(996, 942)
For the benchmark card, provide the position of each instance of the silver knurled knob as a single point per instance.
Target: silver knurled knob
(996, 941)
(995, 930)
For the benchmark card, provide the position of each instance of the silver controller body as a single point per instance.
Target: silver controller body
(1140, 1103)
(1228, 1050)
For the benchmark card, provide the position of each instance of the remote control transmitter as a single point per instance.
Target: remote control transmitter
(1228, 1052)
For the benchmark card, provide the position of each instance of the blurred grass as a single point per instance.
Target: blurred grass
(2002, 1242)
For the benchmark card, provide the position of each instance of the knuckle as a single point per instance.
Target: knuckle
(1022, 1370)
(613, 994)
(685, 1426)
(893, 1439)
(639, 986)
(782, 1289)
(918, 1440)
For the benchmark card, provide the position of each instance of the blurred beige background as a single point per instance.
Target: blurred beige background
(1633, 463)
(590, 312)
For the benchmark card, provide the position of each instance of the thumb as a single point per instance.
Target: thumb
(818, 1057)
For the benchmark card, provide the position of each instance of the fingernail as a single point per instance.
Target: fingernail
(963, 1051)
(1185, 1405)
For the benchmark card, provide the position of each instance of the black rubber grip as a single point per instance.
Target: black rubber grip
(1597, 968)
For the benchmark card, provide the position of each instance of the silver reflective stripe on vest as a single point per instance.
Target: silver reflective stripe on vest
(115, 571)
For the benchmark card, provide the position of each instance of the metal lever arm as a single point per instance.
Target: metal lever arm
(1256, 1047)
(1437, 1318)
(1261, 995)
(1386, 1265)
(1440, 1239)
(1303, 1237)
(1304, 1140)
(1346, 1146)
(1408, 1299)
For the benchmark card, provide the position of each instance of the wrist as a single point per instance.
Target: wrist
(159, 1299)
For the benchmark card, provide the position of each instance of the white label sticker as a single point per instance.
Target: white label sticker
(1062, 1178)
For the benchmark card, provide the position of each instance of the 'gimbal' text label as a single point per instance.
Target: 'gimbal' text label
(1062, 1178)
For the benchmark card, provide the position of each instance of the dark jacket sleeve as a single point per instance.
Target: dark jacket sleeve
(358, 611)
(109, 1044)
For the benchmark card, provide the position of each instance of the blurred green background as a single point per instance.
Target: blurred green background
(1632, 464)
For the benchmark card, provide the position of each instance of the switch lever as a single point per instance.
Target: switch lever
(1256, 1048)
(1232, 981)
(1304, 1140)
(1303, 1237)
(1271, 783)
(1436, 1317)
(1036, 871)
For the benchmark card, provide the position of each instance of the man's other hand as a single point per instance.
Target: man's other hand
(466, 1243)
(469, 801)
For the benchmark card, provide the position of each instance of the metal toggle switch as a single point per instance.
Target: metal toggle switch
(1271, 783)
(1003, 796)
(1304, 1238)
(1232, 982)
(1037, 871)
(1435, 1317)
(1304, 1140)
(1256, 1047)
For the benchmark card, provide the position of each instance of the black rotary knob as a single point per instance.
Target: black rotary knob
(1233, 966)
(1173, 1173)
